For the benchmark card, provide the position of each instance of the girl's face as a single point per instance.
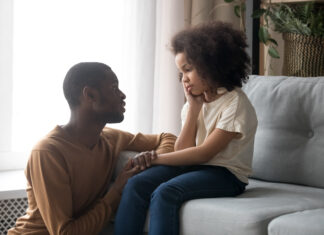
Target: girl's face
(192, 82)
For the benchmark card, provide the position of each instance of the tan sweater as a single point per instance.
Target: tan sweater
(67, 181)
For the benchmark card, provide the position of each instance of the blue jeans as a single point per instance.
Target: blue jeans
(163, 189)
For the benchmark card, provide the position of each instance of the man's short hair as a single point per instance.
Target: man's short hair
(80, 75)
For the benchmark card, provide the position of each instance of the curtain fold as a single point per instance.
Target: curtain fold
(168, 93)
(138, 71)
(158, 97)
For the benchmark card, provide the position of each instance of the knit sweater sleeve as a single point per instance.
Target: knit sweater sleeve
(48, 175)
(161, 143)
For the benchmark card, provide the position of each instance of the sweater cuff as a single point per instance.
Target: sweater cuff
(166, 143)
(112, 198)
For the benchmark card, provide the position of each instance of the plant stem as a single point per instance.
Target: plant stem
(242, 21)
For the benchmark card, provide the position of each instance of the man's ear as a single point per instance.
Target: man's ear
(90, 94)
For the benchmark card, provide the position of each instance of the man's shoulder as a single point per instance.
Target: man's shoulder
(46, 143)
(53, 140)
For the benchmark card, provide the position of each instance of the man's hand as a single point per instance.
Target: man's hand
(126, 173)
(144, 160)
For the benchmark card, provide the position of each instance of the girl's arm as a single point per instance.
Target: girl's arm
(187, 137)
(214, 143)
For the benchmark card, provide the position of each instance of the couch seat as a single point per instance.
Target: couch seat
(249, 213)
(299, 223)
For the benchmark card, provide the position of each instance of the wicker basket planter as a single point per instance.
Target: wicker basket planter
(303, 55)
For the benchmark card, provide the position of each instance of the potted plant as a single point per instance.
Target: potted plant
(302, 26)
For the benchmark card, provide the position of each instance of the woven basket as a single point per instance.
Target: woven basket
(303, 55)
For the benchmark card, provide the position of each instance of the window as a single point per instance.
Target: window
(48, 37)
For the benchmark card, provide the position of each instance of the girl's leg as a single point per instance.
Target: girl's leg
(132, 210)
(196, 182)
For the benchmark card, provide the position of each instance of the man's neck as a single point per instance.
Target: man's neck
(85, 133)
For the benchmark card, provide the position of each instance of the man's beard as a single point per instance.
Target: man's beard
(114, 118)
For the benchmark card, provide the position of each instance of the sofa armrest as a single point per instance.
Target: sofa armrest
(122, 160)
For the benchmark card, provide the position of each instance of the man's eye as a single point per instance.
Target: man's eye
(180, 77)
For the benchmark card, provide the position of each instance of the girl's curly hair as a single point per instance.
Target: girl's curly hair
(217, 51)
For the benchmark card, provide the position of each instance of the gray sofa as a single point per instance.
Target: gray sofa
(286, 191)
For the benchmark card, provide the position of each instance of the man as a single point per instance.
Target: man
(69, 171)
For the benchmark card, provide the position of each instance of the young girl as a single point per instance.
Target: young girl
(213, 153)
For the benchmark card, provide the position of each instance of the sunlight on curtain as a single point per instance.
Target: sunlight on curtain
(49, 37)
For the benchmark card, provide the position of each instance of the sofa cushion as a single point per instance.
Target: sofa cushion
(299, 223)
(123, 157)
(289, 139)
(249, 213)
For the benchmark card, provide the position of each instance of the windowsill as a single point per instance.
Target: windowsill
(12, 161)
(12, 184)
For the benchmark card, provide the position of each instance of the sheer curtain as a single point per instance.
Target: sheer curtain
(50, 36)
(168, 93)
(158, 96)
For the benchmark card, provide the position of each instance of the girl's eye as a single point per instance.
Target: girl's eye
(180, 77)
(187, 68)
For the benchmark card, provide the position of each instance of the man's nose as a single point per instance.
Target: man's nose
(122, 95)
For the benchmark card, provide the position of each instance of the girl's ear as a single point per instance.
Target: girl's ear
(90, 94)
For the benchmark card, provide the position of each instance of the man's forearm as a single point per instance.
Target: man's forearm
(93, 220)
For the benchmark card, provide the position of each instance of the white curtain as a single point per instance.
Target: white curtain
(50, 36)
(168, 91)
(158, 96)
(137, 78)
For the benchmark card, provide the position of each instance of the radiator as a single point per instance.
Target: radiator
(10, 210)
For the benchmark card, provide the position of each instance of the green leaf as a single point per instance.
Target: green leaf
(228, 1)
(258, 13)
(306, 10)
(301, 18)
(273, 53)
(273, 41)
(263, 34)
(237, 10)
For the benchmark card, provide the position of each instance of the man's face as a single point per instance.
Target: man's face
(111, 106)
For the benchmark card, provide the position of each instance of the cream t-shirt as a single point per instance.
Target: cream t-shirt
(231, 112)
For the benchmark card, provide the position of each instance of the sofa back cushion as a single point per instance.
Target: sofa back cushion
(289, 142)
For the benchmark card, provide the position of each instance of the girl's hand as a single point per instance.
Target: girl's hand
(195, 101)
